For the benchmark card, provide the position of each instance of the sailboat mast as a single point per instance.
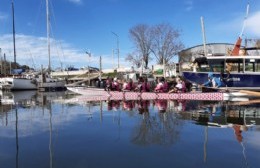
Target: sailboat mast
(204, 36)
(48, 34)
(14, 33)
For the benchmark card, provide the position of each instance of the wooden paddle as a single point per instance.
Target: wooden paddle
(247, 102)
(248, 92)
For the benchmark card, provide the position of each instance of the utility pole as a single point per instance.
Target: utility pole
(113, 53)
(4, 64)
(100, 69)
(117, 44)
(89, 55)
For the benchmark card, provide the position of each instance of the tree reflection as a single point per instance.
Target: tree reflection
(162, 128)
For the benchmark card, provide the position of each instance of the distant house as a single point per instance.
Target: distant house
(170, 70)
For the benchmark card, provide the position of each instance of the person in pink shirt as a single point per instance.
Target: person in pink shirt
(159, 86)
(162, 86)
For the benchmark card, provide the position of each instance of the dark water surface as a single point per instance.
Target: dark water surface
(48, 130)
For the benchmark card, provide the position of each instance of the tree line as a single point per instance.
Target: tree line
(160, 42)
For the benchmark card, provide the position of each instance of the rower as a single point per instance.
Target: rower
(213, 81)
(159, 86)
(145, 86)
(108, 86)
(130, 85)
(180, 87)
(115, 85)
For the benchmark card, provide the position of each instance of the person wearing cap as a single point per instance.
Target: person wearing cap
(213, 81)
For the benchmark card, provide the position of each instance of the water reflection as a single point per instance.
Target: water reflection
(90, 130)
(17, 102)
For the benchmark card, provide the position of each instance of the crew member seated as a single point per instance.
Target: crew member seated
(129, 86)
(180, 87)
(213, 81)
(115, 85)
(145, 86)
(162, 86)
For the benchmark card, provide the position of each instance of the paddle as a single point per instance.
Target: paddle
(248, 92)
(251, 93)
(247, 102)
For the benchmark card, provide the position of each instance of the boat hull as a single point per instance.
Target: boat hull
(248, 81)
(94, 94)
(52, 86)
(19, 83)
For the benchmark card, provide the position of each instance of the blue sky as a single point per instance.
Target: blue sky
(86, 25)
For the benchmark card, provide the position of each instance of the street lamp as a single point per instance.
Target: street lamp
(89, 55)
(117, 43)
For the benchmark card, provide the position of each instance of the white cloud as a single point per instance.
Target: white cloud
(3, 16)
(188, 5)
(32, 51)
(253, 24)
(233, 28)
(76, 1)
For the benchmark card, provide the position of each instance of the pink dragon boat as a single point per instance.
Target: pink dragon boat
(97, 94)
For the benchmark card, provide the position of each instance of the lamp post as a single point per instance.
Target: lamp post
(89, 55)
(117, 44)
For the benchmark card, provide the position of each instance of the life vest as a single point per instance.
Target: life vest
(130, 86)
(145, 87)
(115, 86)
(159, 87)
(165, 87)
(184, 89)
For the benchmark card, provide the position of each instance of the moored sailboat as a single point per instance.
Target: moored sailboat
(16, 82)
(33, 80)
(46, 82)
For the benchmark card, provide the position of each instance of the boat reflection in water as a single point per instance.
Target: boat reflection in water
(49, 130)
(16, 107)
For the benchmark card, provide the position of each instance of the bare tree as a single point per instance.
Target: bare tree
(165, 42)
(141, 36)
(135, 59)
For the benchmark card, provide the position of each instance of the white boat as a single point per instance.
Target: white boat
(50, 84)
(17, 83)
(31, 81)
(46, 82)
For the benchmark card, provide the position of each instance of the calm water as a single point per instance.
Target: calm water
(49, 130)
